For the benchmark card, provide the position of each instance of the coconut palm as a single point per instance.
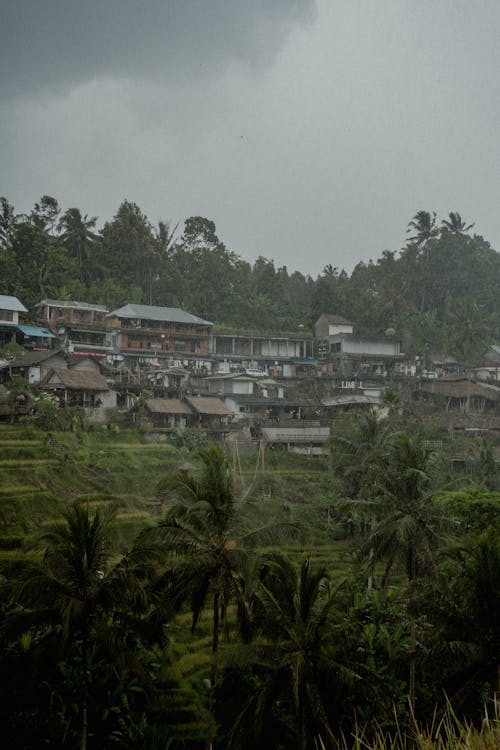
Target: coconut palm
(209, 529)
(292, 610)
(73, 591)
(355, 453)
(77, 236)
(424, 227)
(455, 224)
(408, 531)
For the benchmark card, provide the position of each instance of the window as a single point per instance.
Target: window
(6, 315)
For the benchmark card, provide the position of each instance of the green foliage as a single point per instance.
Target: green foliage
(475, 509)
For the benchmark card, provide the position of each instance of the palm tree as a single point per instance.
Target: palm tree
(77, 236)
(465, 604)
(292, 609)
(74, 590)
(355, 453)
(455, 223)
(408, 530)
(424, 227)
(208, 528)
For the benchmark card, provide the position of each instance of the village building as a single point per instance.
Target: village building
(14, 331)
(277, 354)
(149, 334)
(209, 413)
(80, 387)
(311, 439)
(33, 366)
(260, 409)
(168, 413)
(331, 325)
(363, 355)
(462, 393)
(81, 327)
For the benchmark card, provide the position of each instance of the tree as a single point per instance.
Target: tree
(407, 532)
(424, 227)
(455, 224)
(73, 591)
(208, 529)
(78, 238)
(299, 672)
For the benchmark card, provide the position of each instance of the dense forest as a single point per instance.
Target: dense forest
(438, 291)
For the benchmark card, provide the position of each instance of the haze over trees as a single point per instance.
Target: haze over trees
(443, 278)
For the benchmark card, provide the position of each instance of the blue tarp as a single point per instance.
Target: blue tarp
(36, 332)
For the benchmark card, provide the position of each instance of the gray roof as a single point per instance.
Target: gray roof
(11, 303)
(33, 358)
(152, 312)
(71, 303)
(334, 319)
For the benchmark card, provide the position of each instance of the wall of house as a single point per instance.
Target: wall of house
(368, 347)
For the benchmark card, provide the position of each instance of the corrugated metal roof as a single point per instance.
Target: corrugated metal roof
(36, 332)
(152, 312)
(34, 358)
(71, 303)
(11, 303)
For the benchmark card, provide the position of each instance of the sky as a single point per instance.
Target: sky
(310, 131)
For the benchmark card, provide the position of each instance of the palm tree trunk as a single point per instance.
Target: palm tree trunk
(84, 694)
(213, 673)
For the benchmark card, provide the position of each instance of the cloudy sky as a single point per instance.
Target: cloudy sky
(310, 131)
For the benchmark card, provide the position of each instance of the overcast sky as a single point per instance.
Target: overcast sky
(310, 131)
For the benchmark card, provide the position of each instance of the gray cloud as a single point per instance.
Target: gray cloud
(53, 44)
(309, 137)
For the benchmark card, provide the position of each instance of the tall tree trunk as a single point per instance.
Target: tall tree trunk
(413, 636)
(213, 673)
(84, 693)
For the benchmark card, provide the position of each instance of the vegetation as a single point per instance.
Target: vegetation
(438, 292)
(177, 613)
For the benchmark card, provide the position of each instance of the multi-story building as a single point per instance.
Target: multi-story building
(81, 327)
(277, 353)
(10, 307)
(160, 332)
(12, 330)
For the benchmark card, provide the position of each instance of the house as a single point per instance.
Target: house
(34, 366)
(259, 409)
(82, 327)
(311, 439)
(13, 331)
(209, 412)
(363, 355)
(460, 392)
(168, 413)
(241, 383)
(77, 387)
(281, 354)
(330, 325)
(150, 333)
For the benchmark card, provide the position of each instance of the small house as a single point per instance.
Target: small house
(168, 413)
(209, 412)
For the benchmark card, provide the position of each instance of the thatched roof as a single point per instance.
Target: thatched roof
(74, 380)
(167, 406)
(208, 405)
(460, 387)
